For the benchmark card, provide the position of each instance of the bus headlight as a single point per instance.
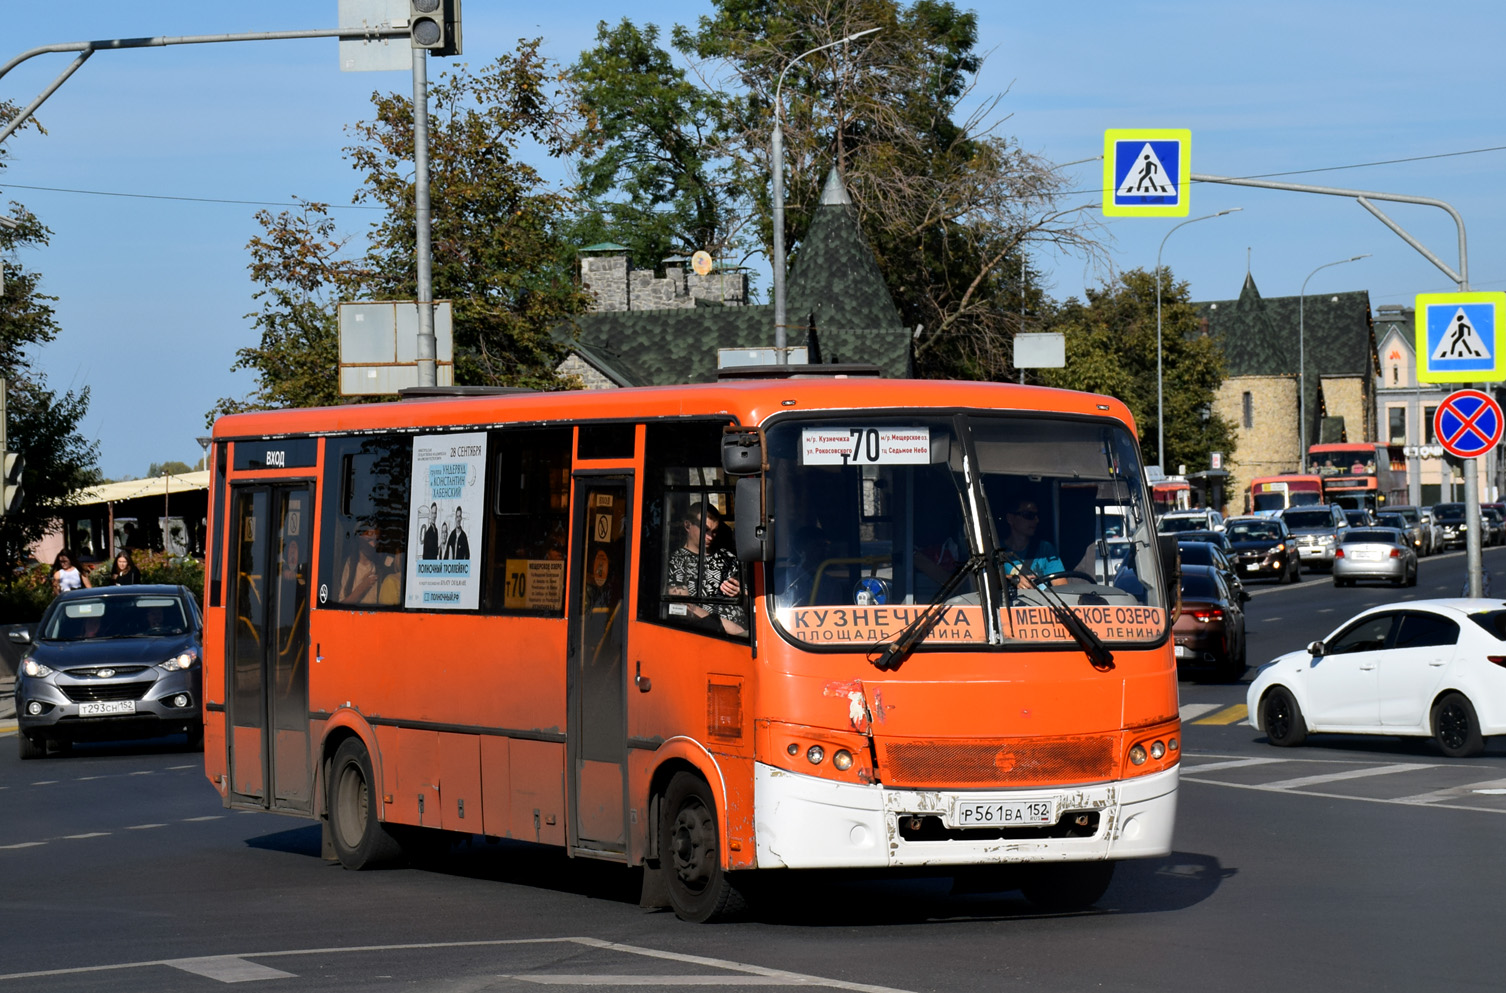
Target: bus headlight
(842, 760)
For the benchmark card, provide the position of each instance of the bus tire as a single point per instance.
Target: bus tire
(700, 890)
(360, 839)
(1059, 887)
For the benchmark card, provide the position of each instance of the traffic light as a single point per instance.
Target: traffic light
(434, 25)
(10, 500)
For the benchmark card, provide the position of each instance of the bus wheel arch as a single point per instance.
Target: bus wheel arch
(354, 831)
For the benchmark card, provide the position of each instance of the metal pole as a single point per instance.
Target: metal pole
(1160, 403)
(427, 348)
(776, 154)
(1302, 361)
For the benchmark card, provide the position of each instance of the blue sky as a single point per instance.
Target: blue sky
(154, 292)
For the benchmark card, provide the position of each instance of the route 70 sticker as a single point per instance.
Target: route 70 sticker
(865, 446)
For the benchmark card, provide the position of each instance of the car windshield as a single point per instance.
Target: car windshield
(1371, 536)
(1449, 512)
(871, 515)
(1173, 524)
(1308, 519)
(1198, 586)
(1392, 520)
(95, 618)
(1254, 531)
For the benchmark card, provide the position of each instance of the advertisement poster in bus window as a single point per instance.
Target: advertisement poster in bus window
(449, 472)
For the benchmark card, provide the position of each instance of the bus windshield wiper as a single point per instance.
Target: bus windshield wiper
(1087, 639)
(888, 657)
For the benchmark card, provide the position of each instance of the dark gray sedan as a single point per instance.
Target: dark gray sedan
(111, 663)
(1374, 553)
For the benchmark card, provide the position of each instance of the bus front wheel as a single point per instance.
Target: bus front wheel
(700, 890)
(360, 839)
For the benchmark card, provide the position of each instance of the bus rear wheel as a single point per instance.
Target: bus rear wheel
(1066, 886)
(700, 890)
(360, 839)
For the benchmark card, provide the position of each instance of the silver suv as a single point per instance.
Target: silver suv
(1317, 531)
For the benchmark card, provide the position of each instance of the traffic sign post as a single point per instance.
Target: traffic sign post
(1459, 337)
(1468, 424)
(1146, 172)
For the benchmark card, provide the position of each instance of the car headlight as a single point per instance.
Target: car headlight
(32, 667)
(182, 660)
(1326, 539)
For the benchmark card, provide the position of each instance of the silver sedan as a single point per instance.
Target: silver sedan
(1374, 553)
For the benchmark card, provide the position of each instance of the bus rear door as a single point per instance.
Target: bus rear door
(267, 653)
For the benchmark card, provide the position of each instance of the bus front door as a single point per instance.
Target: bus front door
(269, 646)
(597, 661)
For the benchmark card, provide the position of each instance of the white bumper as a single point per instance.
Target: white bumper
(804, 822)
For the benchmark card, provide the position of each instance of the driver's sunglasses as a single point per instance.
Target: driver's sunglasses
(1028, 515)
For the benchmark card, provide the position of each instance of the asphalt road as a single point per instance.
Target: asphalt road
(1351, 864)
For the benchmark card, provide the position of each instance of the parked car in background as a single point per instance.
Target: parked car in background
(1422, 668)
(1412, 532)
(1210, 630)
(1317, 531)
(1359, 518)
(111, 663)
(1424, 523)
(1263, 549)
(1209, 554)
(1203, 519)
(1492, 526)
(1450, 518)
(1374, 553)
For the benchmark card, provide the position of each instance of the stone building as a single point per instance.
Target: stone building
(648, 329)
(1260, 341)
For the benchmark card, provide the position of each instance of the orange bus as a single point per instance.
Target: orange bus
(705, 630)
(1171, 494)
(1357, 475)
(1271, 494)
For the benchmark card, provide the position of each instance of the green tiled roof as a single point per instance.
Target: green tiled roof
(1259, 335)
(836, 304)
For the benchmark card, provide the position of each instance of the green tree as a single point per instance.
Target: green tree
(499, 251)
(650, 177)
(1111, 349)
(173, 468)
(950, 206)
(41, 424)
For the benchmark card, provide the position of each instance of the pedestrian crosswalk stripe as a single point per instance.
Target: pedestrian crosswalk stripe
(1229, 715)
(1334, 777)
(1192, 711)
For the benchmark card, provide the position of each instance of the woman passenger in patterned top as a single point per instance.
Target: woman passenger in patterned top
(696, 569)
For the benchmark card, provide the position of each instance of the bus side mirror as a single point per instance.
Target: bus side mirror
(749, 526)
(742, 451)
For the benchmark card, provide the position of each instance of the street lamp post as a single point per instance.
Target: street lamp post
(1302, 360)
(1160, 403)
(776, 153)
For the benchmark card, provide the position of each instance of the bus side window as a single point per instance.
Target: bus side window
(688, 572)
(367, 530)
(530, 531)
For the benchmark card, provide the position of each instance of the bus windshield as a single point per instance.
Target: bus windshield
(871, 516)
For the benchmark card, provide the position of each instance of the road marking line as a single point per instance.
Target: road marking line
(626, 980)
(45, 782)
(1193, 770)
(211, 817)
(1490, 787)
(173, 768)
(1229, 715)
(229, 969)
(1334, 777)
(140, 772)
(91, 834)
(143, 827)
(1191, 710)
(24, 844)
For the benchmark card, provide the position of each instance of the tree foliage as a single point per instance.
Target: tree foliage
(1111, 349)
(497, 248)
(950, 207)
(41, 424)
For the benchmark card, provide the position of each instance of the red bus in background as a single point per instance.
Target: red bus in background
(1171, 494)
(1272, 494)
(1357, 475)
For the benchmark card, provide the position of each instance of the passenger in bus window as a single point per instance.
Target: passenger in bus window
(1040, 558)
(365, 572)
(697, 568)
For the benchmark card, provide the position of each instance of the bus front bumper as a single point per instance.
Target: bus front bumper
(805, 822)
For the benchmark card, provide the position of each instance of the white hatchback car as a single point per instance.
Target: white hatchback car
(1425, 668)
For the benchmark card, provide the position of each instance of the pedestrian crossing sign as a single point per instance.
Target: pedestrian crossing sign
(1146, 172)
(1458, 337)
